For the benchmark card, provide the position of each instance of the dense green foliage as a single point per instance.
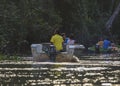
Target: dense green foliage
(23, 22)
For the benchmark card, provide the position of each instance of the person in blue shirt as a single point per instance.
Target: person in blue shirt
(106, 43)
(106, 46)
(65, 38)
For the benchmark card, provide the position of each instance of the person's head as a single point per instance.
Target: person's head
(57, 31)
(71, 36)
(63, 35)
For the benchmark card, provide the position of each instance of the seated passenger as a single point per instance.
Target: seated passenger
(71, 40)
(106, 44)
(100, 43)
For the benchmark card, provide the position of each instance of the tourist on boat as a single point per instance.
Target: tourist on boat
(57, 45)
(65, 38)
(71, 40)
(114, 49)
(100, 43)
(98, 46)
(106, 45)
(57, 40)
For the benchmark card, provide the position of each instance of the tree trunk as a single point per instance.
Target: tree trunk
(112, 18)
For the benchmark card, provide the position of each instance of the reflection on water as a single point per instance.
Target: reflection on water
(58, 74)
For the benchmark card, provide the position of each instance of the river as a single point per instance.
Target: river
(84, 73)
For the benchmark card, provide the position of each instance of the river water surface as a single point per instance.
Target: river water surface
(84, 73)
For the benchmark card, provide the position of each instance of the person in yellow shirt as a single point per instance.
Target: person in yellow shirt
(57, 40)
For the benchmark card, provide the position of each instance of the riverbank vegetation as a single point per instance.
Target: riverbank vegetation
(10, 58)
(24, 22)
